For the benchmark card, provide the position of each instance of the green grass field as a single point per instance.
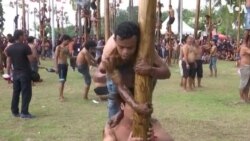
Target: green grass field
(207, 114)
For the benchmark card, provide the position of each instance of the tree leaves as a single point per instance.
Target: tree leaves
(1, 18)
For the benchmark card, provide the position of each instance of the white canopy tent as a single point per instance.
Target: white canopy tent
(186, 28)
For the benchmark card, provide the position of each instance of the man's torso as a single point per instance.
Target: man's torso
(63, 55)
(244, 56)
(191, 53)
(18, 53)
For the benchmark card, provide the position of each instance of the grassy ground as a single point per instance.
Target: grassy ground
(207, 114)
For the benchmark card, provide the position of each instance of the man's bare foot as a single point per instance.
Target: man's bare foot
(185, 90)
(85, 98)
(61, 99)
(189, 89)
(199, 86)
(240, 102)
(181, 84)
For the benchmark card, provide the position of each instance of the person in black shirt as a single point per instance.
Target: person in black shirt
(20, 56)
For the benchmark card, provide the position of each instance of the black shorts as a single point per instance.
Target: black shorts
(62, 72)
(199, 68)
(171, 20)
(188, 72)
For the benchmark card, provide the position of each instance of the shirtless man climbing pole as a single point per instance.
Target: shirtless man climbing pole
(171, 18)
(83, 61)
(118, 62)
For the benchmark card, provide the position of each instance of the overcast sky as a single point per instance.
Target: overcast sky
(11, 12)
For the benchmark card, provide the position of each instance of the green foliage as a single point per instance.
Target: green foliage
(221, 13)
(73, 4)
(164, 15)
(134, 16)
(1, 18)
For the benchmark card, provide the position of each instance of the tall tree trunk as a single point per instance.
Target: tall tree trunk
(130, 10)
(106, 20)
(210, 22)
(24, 17)
(197, 16)
(98, 30)
(144, 84)
(86, 28)
(158, 22)
(62, 26)
(181, 19)
(114, 16)
(80, 21)
(76, 21)
(239, 24)
(179, 11)
(16, 13)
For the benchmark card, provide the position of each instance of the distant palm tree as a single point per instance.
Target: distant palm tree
(73, 4)
(1, 18)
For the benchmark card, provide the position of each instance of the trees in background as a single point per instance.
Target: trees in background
(1, 18)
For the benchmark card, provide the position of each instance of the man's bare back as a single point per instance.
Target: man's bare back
(34, 52)
(84, 57)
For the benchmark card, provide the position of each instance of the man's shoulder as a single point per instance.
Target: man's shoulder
(109, 47)
(9, 48)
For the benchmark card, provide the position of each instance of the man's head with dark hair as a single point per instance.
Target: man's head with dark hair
(9, 35)
(65, 39)
(127, 35)
(90, 45)
(19, 35)
(127, 30)
(31, 39)
(10, 38)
